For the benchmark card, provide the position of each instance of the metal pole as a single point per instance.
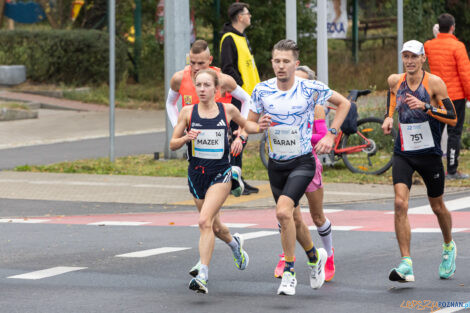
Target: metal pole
(355, 32)
(177, 31)
(322, 42)
(112, 78)
(216, 40)
(399, 33)
(291, 19)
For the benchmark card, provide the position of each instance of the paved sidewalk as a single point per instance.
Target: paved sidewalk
(163, 190)
(91, 121)
(72, 121)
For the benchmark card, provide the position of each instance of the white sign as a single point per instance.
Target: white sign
(337, 18)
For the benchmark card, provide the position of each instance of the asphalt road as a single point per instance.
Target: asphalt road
(102, 280)
(81, 149)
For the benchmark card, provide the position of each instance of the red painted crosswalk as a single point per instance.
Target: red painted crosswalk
(351, 220)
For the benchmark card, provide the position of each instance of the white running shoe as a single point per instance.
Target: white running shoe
(194, 271)
(317, 273)
(288, 284)
(237, 182)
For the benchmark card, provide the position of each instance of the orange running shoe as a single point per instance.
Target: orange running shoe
(330, 267)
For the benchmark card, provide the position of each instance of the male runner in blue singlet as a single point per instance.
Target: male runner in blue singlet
(423, 106)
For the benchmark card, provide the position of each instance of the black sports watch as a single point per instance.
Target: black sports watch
(427, 107)
(243, 138)
(334, 131)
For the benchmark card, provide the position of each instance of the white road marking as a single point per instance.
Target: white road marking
(118, 223)
(232, 225)
(346, 228)
(326, 211)
(150, 252)
(73, 139)
(22, 220)
(47, 272)
(452, 205)
(258, 234)
(435, 230)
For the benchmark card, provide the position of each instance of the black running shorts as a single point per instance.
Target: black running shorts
(199, 181)
(291, 177)
(429, 166)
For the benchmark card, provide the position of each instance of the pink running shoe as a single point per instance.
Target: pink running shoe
(279, 270)
(330, 267)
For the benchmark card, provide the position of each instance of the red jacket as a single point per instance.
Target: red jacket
(448, 59)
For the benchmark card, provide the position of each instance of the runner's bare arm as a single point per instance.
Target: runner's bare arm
(179, 138)
(391, 103)
(326, 143)
(250, 126)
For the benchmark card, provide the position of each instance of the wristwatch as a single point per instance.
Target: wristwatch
(243, 138)
(427, 107)
(333, 131)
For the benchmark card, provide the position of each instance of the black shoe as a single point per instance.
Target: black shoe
(246, 192)
(250, 188)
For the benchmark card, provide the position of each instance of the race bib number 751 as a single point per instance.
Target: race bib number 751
(416, 136)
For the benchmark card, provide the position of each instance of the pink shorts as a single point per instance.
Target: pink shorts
(316, 182)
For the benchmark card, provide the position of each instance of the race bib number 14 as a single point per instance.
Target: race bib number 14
(209, 144)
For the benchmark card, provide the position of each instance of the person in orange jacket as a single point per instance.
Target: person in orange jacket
(448, 59)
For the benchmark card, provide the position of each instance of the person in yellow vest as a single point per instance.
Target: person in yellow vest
(237, 61)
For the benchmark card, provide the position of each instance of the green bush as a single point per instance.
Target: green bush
(68, 56)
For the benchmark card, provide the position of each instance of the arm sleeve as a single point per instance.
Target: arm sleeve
(463, 67)
(244, 98)
(229, 60)
(171, 107)
(320, 131)
(391, 104)
(445, 113)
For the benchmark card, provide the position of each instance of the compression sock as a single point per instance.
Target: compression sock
(289, 267)
(312, 254)
(326, 237)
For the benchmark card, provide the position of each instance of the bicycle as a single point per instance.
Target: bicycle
(367, 151)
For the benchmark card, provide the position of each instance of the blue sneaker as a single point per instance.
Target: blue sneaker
(199, 284)
(240, 257)
(237, 183)
(447, 266)
(403, 273)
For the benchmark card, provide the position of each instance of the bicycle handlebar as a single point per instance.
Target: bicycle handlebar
(355, 93)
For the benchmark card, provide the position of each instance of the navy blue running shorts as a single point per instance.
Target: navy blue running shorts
(199, 180)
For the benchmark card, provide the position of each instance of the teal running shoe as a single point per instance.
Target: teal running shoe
(403, 273)
(237, 182)
(240, 257)
(194, 271)
(199, 284)
(447, 266)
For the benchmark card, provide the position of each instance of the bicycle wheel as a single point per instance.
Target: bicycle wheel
(263, 151)
(369, 150)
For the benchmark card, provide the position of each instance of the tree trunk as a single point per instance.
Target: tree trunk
(2, 6)
(48, 10)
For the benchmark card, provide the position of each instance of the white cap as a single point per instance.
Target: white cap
(413, 46)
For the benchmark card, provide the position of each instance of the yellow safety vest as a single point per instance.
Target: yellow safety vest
(246, 62)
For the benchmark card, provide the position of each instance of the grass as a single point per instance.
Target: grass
(13, 105)
(145, 165)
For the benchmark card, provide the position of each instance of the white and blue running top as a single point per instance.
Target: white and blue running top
(292, 114)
